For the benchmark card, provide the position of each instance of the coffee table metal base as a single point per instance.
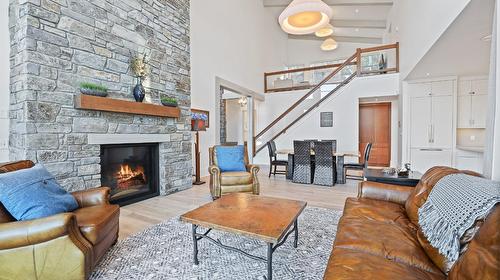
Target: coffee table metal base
(270, 246)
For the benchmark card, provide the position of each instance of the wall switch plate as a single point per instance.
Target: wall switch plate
(4, 144)
(473, 138)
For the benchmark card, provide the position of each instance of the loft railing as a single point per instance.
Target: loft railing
(341, 75)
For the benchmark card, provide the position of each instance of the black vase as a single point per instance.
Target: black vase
(139, 91)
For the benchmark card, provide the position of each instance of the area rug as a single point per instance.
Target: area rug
(164, 251)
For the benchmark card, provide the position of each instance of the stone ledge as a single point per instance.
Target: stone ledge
(103, 139)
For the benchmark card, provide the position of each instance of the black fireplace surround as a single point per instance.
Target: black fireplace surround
(131, 171)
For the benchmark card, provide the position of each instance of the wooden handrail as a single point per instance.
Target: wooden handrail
(347, 80)
(302, 69)
(339, 67)
(335, 72)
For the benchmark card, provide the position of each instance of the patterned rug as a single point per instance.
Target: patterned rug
(164, 251)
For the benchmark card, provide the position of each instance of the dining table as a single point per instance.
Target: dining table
(339, 158)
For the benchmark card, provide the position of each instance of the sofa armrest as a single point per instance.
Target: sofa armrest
(92, 197)
(254, 169)
(392, 193)
(25, 233)
(215, 180)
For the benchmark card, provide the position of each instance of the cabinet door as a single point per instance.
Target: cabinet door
(442, 121)
(420, 121)
(469, 163)
(423, 159)
(464, 111)
(419, 89)
(442, 88)
(479, 110)
(464, 87)
(479, 87)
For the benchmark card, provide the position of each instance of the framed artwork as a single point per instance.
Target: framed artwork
(203, 112)
(326, 119)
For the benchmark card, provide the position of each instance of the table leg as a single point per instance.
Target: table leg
(195, 245)
(340, 170)
(269, 261)
(296, 230)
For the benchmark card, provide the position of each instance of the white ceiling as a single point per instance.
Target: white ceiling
(461, 51)
(359, 21)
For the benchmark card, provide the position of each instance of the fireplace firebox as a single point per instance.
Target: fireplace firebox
(131, 171)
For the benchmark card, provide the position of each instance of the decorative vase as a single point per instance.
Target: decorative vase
(139, 92)
(169, 104)
(94, 92)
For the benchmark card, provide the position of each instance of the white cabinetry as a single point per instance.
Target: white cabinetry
(472, 103)
(431, 123)
(468, 160)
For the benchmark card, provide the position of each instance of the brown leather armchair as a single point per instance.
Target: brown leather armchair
(63, 246)
(230, 182)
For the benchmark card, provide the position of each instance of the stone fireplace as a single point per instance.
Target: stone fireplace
(56, 45)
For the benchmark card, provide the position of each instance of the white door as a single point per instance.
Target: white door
(464, 111)
(423, 159)
(464, 87)
(419, 89)
(442, 121)
(479, 110)
(420, 121)
(442, 88)
(479, 86)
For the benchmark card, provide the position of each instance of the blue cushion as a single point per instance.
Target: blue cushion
(230, 158)
(34, 193)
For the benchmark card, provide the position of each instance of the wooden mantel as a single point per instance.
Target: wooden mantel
(96, 103)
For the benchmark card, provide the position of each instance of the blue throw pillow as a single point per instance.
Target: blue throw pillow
(230, 158)
(34, 193)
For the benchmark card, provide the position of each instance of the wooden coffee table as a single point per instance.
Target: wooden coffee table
(264, 218)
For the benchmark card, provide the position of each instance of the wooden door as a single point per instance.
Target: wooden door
(375, 127)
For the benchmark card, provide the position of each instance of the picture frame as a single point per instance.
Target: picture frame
(204, 112)
(326, 119)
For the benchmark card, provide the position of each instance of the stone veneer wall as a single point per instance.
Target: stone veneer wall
(56, 44)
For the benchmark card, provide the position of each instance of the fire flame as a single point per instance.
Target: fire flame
(126, 172)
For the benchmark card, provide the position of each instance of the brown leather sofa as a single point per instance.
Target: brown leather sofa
(229, 182)
(378, 237)
(63, 246)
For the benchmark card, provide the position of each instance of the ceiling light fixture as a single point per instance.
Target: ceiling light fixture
(329, 45)
(305, 16)
(325, 31)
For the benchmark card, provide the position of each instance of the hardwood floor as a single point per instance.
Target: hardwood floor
(136, 217)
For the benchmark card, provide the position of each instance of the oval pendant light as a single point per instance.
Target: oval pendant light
(325, 31)
(329, 45)
(305, 16)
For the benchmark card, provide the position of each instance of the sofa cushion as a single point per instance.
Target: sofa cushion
(236, 178)
(376, 210)
(96, 222)
(33, 193)
(351, 264)
(230, 158)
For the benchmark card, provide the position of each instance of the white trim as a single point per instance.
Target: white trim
(99, 139)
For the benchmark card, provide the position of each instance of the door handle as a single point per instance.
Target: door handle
(432, 132)
(429, 137)
(431, 150)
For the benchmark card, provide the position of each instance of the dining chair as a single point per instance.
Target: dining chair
(358, 166)
(274, 162)
(325, 172)
(302, 167)
(334, 149)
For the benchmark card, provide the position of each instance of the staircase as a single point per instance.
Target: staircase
(359, 64)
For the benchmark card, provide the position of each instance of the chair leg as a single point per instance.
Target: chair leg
(270, 169)
(275, 170)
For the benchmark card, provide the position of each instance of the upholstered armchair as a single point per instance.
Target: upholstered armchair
(230, 182)
(63, 246)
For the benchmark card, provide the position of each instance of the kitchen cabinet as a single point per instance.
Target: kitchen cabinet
(431, 127)
(472, 103)
(468, 160)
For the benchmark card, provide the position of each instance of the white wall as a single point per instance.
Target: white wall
(234, 40)
(4, 79)
(306, 52)
(345, 108)
(417, 25)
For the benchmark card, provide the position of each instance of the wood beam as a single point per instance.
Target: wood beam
(362, 40)
(284, 3)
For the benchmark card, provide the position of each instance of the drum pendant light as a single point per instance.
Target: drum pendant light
(324, 31)
(305, 16)
(329, 45)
